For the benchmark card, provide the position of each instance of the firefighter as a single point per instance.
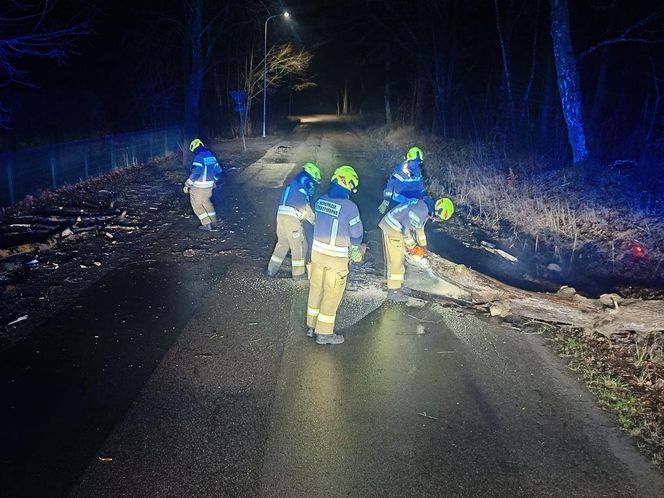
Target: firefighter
(294, 208)
(338, 234)
(403, 231)
(405, 181)
(205, 170)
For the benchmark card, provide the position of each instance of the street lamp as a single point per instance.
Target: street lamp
(286, 15)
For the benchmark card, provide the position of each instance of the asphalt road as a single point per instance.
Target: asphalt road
(233, 399)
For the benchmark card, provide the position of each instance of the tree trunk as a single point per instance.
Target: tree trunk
(568, 80)
(195, 77)
(422, 99)
(345, 105)
(506, 68)
(525, 105)
(600, 86)
(608, 315)
(388, 109)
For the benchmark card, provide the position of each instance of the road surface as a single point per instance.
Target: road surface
(197, 379)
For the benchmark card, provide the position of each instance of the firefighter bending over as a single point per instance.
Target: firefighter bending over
(294, 208)
(405, 182)
(403, 231)
(205, 170)
(337, 236)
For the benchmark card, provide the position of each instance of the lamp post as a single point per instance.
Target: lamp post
(286, 15)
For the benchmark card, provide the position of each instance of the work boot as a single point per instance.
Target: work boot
(271, 274)
(396, 296)
(329, 339)
(206, 228)
(299, 278)
(310, 332)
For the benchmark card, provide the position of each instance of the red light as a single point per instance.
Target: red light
(637, 249)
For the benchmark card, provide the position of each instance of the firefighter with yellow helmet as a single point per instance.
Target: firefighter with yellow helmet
(403, 231)
(294, 209)
(406, 181)
(337, 237)
(205, 171)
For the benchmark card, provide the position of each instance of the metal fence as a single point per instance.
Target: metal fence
(52, 166)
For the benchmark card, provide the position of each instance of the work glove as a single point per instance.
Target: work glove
(355, 254)
(383, 207)
(185, 188)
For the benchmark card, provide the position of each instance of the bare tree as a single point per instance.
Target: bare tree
(204, 24)
(27, 30)
(568, 80)
(283, 61)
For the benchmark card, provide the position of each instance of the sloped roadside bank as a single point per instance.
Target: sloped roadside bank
(615, 343)
(599, 229)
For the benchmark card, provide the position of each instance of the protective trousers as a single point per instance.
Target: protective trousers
(290, 237)
(393, 249)
(327, 282)
(201, 203)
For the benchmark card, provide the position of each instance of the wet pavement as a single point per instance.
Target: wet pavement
(202, 383)
(65, 387)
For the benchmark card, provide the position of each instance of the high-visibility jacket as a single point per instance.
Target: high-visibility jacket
(205, 169)
(409, 219)
(296, 197)
(403, 185)
(338, 226)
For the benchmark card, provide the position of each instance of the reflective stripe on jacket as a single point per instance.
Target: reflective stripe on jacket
(205, 170)
(295, 202)
(338, 226)
(401, 186)
(409, 218)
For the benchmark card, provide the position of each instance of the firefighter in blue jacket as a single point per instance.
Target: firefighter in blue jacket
(205, 170)
(405, 182)
(294, 209)
(338, 234)
(403, 232)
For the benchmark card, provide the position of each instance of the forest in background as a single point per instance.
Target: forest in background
(479, 71)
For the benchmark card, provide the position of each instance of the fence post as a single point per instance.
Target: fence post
(54, 180)
(86, 160)
(10, 178)
(112, 146)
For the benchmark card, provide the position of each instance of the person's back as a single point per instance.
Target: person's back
(338, 225)
(337, 236)
(205, 170)
(405, 182)
(294, 208)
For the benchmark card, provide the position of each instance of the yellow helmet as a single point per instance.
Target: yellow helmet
(313, 171)
(196, 142)
(444, 208)
(346, 176)
(415, 153)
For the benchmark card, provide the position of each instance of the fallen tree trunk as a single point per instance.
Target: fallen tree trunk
(608, 315)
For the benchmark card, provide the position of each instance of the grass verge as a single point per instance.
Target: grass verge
(627, 380)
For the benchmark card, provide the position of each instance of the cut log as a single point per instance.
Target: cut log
(608, 315)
